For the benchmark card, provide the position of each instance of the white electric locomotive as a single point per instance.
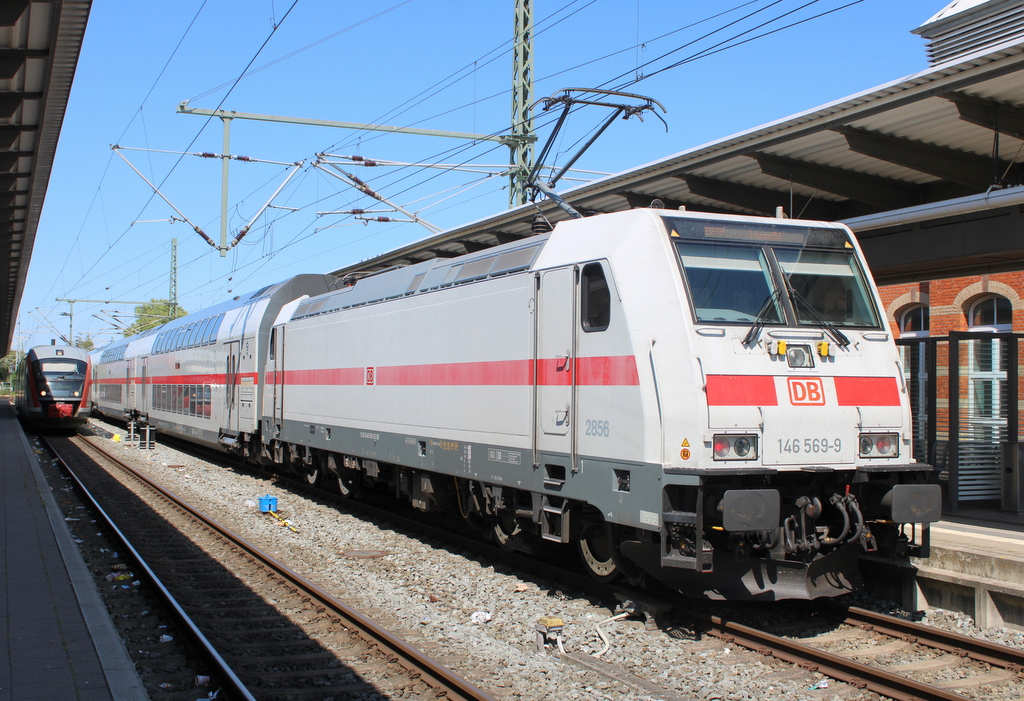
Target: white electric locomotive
(713, 401)
(51, 387)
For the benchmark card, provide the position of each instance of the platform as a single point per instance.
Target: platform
(976, 567)
(60, 641)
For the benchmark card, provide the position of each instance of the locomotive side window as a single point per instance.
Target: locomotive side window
(729, 282)
(595, 299)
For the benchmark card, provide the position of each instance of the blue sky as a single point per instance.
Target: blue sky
(424, 63)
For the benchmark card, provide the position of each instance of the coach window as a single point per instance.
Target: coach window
(204, 332)
(596, 300)
(216, 328)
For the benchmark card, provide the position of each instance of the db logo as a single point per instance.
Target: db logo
(806, 391)
(369, 376)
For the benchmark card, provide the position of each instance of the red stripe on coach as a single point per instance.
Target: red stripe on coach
(741, 390)
(867, 391)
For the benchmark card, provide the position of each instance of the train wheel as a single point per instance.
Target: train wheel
(505, 527)
(597, 555)
(312, 474)
(348, 482)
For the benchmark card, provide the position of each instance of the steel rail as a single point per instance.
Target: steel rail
(993, 654)
(426, 668)
(238, 688)
(840, 668)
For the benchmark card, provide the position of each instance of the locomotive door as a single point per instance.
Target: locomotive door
(556, 350)
(275, 368)
(231, 385)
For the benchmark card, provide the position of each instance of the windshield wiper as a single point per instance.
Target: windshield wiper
(762, 318)
(838, 336)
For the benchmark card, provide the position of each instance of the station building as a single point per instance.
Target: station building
(960, 337)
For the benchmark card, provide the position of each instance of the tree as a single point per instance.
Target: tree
(152, 314)
(8, 363)
(85, 343)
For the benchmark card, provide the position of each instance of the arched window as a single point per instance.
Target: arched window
(914, 322)
(991, 314)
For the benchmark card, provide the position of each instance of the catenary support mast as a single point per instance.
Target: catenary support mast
(522, 103)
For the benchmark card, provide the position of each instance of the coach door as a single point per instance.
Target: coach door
(556, 344)
(143, 382)
(231, 384)
(129, 386)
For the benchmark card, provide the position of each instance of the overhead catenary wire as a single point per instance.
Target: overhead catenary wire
(407, 181)
(203, 127)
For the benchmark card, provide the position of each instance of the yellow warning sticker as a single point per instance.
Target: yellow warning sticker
(686, 444)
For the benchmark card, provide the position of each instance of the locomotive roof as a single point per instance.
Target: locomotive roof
(426, 276)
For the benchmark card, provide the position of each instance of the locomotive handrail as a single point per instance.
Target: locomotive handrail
(657, 396)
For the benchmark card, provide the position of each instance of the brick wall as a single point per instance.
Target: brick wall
(950, 300)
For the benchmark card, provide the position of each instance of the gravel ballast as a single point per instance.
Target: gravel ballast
(478, 619)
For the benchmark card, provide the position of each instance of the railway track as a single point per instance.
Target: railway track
(839, 654)
(859, 640)
(269, 632)
(869, 636)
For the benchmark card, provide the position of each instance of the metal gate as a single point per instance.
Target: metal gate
(965, 400)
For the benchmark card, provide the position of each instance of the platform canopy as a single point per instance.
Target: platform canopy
(928, 148)
(39, 46)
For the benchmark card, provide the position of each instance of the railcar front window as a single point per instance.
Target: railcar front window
(61, 378)
(829, 283)
(730, 283)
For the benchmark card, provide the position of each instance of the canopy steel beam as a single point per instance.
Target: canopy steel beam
(967, 169)
(881, 193)
(998, 116)
(761, 200)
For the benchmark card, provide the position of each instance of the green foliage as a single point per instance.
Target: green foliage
(152, 314)
(85, 343)
(8, 363)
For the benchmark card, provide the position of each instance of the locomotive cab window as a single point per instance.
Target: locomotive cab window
(595, 299)
(829, 285)
(768, 273)
(729, 283)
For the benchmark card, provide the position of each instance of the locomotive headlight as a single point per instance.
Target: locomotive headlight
(879, 445)
(799, 357)
(76, 393)
(722, 447)
(42, 393)
(728, 447)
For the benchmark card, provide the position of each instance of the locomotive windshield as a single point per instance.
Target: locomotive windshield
(60, 378)
(772, 274)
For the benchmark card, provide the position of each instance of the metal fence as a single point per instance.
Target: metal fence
(965, 397)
